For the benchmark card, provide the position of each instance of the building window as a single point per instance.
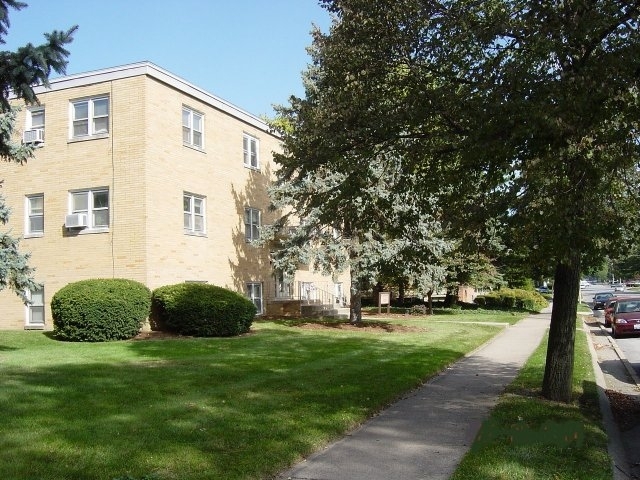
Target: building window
(35, 309)
(250, 151)
(284, 285)
(254, 292)
(194, 216)
(34, 131)
(94, 204)
(192, 128)
(36, 118)
(251, 224)
(35, 215)
(89, 117)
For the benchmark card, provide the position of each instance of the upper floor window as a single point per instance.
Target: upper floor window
(194, 214)
(251, 224)
(192, 128)
(34, 132)
(250, 151)
(35, 215)
(36, 118)
(94, 204)
(89, 117)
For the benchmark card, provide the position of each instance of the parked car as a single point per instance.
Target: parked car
(626, 318)
(619, 287)
(599, 299)
(610, 305)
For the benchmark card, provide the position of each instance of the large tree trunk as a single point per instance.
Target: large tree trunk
(355, 305)
(558, 372)
(401, 293)
(430, 302)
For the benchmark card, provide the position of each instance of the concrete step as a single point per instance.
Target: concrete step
(324, 311)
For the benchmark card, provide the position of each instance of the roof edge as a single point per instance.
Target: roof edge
(153, 71)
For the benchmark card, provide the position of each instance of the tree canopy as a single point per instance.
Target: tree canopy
(20, 71)
(519, 111)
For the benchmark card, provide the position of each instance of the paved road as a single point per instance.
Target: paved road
(630, 346)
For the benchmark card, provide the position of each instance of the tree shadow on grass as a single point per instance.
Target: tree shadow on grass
(199, 408)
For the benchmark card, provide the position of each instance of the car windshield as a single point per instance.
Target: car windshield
(626, 307)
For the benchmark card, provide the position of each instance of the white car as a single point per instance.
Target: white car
(619, 287)
(584, 284)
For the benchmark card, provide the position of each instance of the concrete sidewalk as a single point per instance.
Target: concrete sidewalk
(425, 435)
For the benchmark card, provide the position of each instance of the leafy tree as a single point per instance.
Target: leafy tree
(19, 72)
(378, 230)
(520, 111)
(628, 267)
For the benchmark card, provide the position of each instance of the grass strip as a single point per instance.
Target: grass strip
(528, 437)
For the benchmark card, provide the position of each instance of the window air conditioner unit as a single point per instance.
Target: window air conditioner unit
(76, 220)
(35, 135)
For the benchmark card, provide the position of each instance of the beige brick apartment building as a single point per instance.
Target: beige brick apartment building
(139, 174)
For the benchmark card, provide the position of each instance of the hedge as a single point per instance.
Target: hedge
(513, 299)
(201, 310)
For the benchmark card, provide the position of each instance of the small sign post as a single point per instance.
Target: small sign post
(384, 299)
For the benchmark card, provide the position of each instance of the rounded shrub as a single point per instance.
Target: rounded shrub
(100, 310)
(513, 298)
(201, 310)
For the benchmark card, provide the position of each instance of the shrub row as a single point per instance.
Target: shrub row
(100, 310)
(513, 298)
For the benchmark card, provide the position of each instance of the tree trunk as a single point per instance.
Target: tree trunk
(401, 293)
(430, 301)
(377, 288)
(451, 297)
(558, 372)
(355, 305)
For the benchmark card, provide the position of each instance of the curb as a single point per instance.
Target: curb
(615, 446)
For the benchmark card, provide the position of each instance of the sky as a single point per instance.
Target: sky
(250, 53)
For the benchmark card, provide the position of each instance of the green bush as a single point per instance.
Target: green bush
(513, 299)
(100, 310)
(201, 310)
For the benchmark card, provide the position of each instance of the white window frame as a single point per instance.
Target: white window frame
(91, 210)
(34, 112)
(92, 130)
(250, 149)
(252, 222)
(30, 214)
(189, 130)
(31, 308)
(191, 214)
(254, 293)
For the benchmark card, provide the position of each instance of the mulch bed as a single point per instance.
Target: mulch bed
(368, 326)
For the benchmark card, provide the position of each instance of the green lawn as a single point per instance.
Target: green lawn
(186, 409)
(528, 438)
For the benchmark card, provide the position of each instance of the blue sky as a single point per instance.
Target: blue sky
(248, 52)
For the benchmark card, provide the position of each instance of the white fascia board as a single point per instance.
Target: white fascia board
(153, 71)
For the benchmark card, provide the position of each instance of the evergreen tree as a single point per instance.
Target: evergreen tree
(523, 111)
(19, 72)
(378, 226)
